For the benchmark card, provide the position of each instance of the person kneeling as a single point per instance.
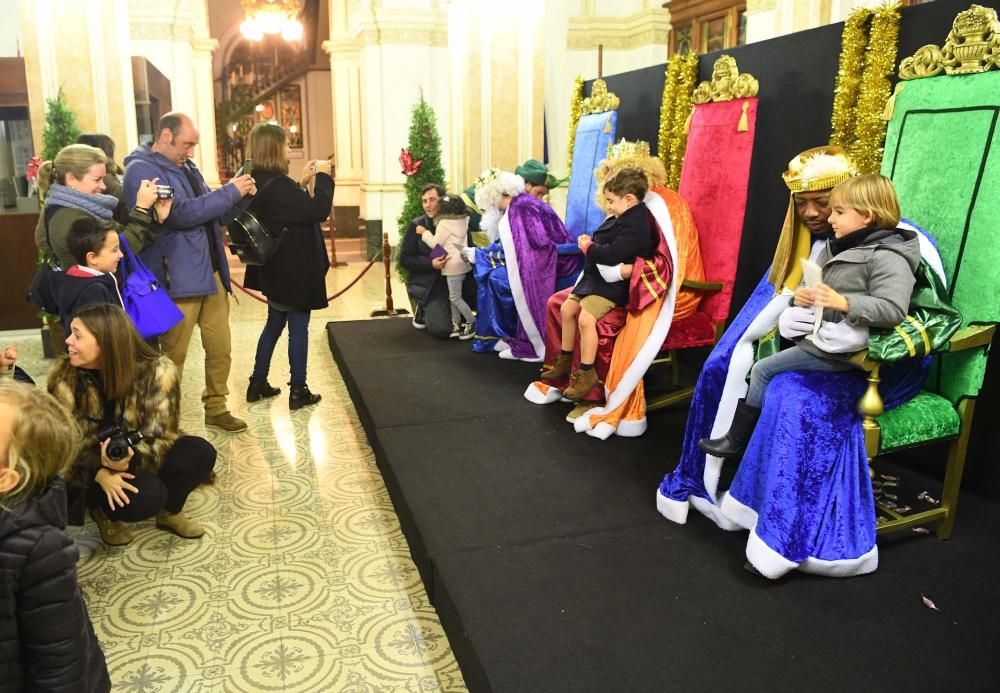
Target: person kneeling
(133, 464)
(450, 235)
(623, 237)
(868, 278)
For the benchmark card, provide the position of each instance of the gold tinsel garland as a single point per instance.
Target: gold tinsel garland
(675, 108)
(852, 55)
(880, 63)
(575, 111)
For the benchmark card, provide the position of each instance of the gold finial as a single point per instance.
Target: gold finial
(727, 83)
(972, 45)
(600, 99)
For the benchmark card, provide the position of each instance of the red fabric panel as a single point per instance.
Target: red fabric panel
(714, 182)
(695, 330)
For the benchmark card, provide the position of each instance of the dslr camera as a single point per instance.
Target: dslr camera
(119, 440)
(164, 192)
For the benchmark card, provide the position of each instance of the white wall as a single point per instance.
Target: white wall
(10, 30)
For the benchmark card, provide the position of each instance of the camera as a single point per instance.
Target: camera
(119, 440)
(164, 192)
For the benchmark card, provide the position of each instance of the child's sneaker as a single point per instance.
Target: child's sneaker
(456, 330)
(580, 383)
(468, 331)
(563, 364)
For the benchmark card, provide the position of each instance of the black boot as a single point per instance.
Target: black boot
(259, 387)
(733, 443)
(299, 396)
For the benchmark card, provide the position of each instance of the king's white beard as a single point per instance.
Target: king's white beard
(490, 223)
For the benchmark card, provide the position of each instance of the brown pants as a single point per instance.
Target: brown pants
(211, 315)
(598, 306)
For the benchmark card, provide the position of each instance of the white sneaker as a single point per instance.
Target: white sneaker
(468, 331)
(456, 331)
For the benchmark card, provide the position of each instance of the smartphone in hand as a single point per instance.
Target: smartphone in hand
(248, 167)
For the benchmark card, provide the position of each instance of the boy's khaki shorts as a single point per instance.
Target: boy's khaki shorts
(598, 306)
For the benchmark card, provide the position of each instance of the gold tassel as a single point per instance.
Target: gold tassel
(607, 126)
(687, 123)
(744, 125)
(890, 104)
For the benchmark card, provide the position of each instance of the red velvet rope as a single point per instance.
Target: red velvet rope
(257, 297)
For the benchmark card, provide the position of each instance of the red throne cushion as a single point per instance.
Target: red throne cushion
(693, 331)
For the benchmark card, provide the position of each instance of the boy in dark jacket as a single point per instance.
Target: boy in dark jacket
(96, 247)
(47, 642)
(623, 237)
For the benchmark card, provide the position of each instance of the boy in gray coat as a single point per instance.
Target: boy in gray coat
(868, 279)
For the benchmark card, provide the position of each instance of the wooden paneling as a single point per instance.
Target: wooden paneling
(13, 82)
(17, 267)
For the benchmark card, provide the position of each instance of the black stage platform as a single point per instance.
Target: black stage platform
(552, 571)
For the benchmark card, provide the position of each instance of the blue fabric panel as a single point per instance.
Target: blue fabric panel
(583, 215)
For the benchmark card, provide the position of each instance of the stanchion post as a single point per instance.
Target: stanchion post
(333, 238)
(387, 263)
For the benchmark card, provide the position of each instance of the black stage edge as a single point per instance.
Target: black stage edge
(552, 571)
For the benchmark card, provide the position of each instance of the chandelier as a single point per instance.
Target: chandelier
(271, 17)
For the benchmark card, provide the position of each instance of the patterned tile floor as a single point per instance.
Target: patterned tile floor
(304, 580)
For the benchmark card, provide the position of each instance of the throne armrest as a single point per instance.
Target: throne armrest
(971, 337)
(703, 286)
(568, 249)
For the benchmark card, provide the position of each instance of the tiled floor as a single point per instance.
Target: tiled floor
(304, 580)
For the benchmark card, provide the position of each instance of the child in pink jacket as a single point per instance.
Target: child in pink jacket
(451, 230)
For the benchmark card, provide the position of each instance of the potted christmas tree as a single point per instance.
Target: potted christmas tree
(421, 164)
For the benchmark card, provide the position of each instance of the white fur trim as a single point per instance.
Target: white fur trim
(651, 347)
(673, 510)
(500, 345)
(773, 565)
(629, 428)
(508, 355)
(537, 395)
(517, 289)
(713, 513)
(928, 252)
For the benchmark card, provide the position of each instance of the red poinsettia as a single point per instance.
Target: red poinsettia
(410, 167)
(34, 163)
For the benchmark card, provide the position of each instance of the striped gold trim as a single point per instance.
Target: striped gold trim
(825, 183)
(656, 276)
(923, 333)
(906, 340)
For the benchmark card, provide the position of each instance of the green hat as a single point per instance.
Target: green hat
(553, 182)
(533, 171)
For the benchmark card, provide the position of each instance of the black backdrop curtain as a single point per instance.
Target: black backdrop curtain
(797, 75)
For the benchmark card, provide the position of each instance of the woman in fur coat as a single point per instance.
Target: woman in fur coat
(133, 463)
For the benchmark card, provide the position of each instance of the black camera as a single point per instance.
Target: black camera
(119, 440)
(164, 192)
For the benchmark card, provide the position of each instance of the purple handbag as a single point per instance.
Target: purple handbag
(146, 302)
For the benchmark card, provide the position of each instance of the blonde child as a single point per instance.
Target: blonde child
(49, 642)
(868, 279)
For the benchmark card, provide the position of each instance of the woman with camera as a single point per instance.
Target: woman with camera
(134, 463)
(73, 186)
(294, 279)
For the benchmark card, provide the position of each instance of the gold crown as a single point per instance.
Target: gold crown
(625, 149)
(819, 168)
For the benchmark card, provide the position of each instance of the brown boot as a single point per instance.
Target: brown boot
(563, 364)
(580, 409)
(113, 532)
(180, 524)
(580, 383)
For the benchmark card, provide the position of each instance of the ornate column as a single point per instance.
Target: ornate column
(83, 48)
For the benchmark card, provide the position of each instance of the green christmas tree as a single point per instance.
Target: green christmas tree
(425, 148)
(60, 126)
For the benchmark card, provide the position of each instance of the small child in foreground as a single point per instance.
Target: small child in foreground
(48, 641)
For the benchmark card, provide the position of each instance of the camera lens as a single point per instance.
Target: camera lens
(117, 450)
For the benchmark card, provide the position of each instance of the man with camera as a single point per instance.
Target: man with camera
(188, 256)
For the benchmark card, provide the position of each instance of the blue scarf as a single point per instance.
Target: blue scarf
(97, 205)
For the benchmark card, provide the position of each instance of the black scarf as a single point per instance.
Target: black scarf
(860, 237)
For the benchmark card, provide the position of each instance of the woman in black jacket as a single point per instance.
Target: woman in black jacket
(47, 642)
(294, 279)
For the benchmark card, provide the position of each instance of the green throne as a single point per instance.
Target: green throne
(942, 153)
